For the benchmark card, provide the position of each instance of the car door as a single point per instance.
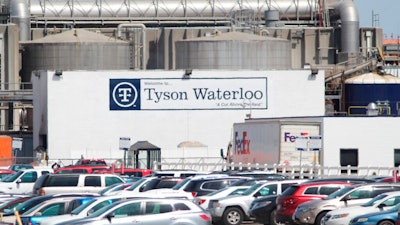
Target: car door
(24, 184)
(127, 214)
(356, 197)
(157, 213)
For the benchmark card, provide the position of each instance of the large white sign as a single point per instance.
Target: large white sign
(187, 94)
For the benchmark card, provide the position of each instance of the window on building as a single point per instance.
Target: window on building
(397, 157)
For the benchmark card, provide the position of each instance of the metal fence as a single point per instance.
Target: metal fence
(217, 164)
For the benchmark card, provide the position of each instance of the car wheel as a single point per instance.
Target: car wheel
(386, 222)
(319, 218)
(272, 218)
(233, 216)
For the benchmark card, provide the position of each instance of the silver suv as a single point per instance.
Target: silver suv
(313, 211)
(233, 210)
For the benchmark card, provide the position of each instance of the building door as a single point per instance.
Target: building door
(349, 157)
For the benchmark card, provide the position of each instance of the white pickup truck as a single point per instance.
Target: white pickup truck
(22, 181)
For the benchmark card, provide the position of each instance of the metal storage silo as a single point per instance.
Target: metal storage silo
(233, 50)
(75, 49)
(383, 90)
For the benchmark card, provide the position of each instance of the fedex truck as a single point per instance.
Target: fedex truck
(274, 142)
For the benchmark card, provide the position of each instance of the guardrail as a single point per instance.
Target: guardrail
(305, 171)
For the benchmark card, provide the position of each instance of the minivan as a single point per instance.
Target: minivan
(74, 183)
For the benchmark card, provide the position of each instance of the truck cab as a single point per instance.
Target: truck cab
(22, 181)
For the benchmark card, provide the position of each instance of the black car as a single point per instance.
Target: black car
(263, 210)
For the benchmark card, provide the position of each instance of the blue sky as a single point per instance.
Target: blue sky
(386, 11)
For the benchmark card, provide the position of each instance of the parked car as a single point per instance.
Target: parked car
(50, 208)
(5, 172)
(22, 182)
(146, 184)
(147, 211)
(177, 173)
(83, 210)
(313, 211)
(379, 203)
(297, 194)
(91, 162)
(387, 217)
(114, 187)
(204, 200)
(263, 210)
(264, 175)
(18, 167)
(9, 216)
(353, 180)
(11, 203)
(233, 210)
(131, 172)
(74, 183)
(81, 169)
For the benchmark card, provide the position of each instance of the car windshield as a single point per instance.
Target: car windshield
(340, 192)
(12, 177)
(80, 208)
(181, 184)
(137, 184)
(251, 189)
(374, 200)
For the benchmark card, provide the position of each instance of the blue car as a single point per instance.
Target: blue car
(387, 217)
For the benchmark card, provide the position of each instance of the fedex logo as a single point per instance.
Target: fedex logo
(242, 144)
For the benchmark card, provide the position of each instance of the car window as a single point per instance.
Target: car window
(392, 201)
(311, 191)
(380, 190)
(132, 209)
(110, 180)
(181, 206)
(214, 185)
(53, 209)
(328, 190)
(291, 190)
(56, 181)
(93, 181)
(269, 190)
(29, 177)
(361, 194)
(285, 186)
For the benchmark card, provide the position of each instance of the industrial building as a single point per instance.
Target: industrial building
(61, 58)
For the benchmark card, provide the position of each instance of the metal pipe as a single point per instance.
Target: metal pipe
(19, 14)
(143, 30)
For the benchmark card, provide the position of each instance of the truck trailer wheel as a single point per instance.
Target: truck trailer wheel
(232, 216)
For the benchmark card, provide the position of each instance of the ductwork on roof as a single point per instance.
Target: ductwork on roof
(288, 10)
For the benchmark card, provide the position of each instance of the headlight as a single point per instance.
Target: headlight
(338, 216)
(361, 220)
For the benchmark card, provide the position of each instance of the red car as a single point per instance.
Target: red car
(287, 202)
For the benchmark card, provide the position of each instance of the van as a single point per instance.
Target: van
(74, 183)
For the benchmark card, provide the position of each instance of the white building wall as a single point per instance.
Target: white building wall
(75, 112)
(374, 137)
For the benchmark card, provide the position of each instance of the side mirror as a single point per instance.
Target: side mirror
(258, 194)
(18, 181)
(110, 216)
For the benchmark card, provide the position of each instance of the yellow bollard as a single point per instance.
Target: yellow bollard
(17, 217)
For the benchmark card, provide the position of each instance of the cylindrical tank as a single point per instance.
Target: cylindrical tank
(271, 18)
(362, 90)
(233, 50)
(75, 49)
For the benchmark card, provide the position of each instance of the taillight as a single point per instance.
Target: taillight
(194, 194)
(205, 217)
(288, 201)
(201, 201)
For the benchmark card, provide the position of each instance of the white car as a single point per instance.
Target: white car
(22, 182)
(342, 216)
(204, 200)
(83, 210)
